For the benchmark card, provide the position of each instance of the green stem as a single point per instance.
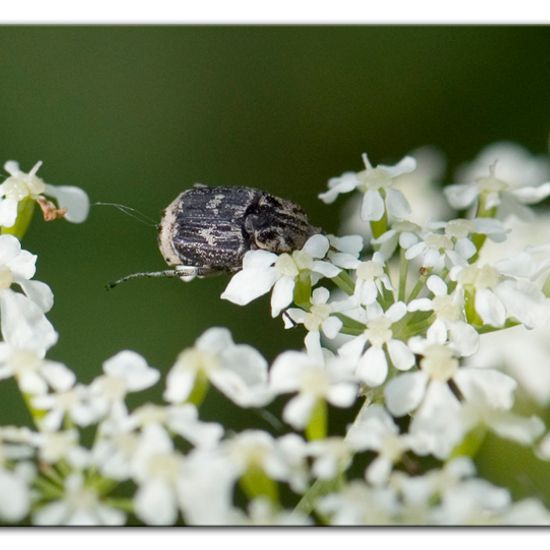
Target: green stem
(477, 238)
(485, 329)
(124, 504)
(470, 309)
(407, 327)
(25, 211)
(350, 326)
(403, 271)
(471, 443)
(344, 282)
(47, 488)
(36, 414)
(302, 290)
(255, 482)
(317, 426)
(379, 227)
(319, 488)
(418, 286)
(323, 487)
(198, 393)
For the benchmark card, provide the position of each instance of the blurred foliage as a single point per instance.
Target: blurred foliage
(137, 114)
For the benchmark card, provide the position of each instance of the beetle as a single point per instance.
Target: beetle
(207, 230)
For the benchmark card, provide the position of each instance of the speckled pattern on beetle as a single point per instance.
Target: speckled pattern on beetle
(209, 229)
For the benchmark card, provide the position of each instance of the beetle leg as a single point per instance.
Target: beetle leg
(182, 272)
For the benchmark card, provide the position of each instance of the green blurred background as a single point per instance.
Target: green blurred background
(135, 115)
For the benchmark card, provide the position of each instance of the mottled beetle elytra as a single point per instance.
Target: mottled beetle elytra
(207, 230)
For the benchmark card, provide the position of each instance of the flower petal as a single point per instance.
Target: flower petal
(464, 338)
(249, 284)
(405, 392)
(404, 166)
(436, 285)
(155, 503)
(532, 195)
(326, 269)
(8, 212)
(331, 327)
(401, 356)
(461, 195)
(372, 368)
(74, 199)
(297, 411)
(396, 312)
(258, 259)
(40, 293)
(489, 307)
(24, 323)
(316, 246)
(282, 295)
(372, 208)
(398, 206)
(342, 395)
(524, 301)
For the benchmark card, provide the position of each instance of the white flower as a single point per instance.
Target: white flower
(205, 488)
(515, 163)
(488, 398)
(294, 452)
(438, 365)
(522, 353)
(262, 512)
(126, 372)
(498, 297)
(421, 187)
(371, 280)
(372, 364)
(72, 201)
(33, 373)
(428, 386)
(238, 371)
(156, 467)
(76, 403)
(315, 378)
(22, 315)
(115, 446)
(345, 250)
(16, 473)
(319, 317)
(375, 430)
(453, 246)
(508, 196)
(471, 502)
(529, 511)
(15, 494)
(331, 455)
(257, 450)
(358, 504)
(449, 315)
(179, 419)
(264, 270)
(23, 323)
(54, 446)
(17, 266)
(282, 459)
(436, 426)
(80, 505)
(402, 233)
(377, 185)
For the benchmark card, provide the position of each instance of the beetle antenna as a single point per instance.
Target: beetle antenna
(132, 212)
(166, 273)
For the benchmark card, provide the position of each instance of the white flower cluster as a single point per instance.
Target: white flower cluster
(394, 320)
